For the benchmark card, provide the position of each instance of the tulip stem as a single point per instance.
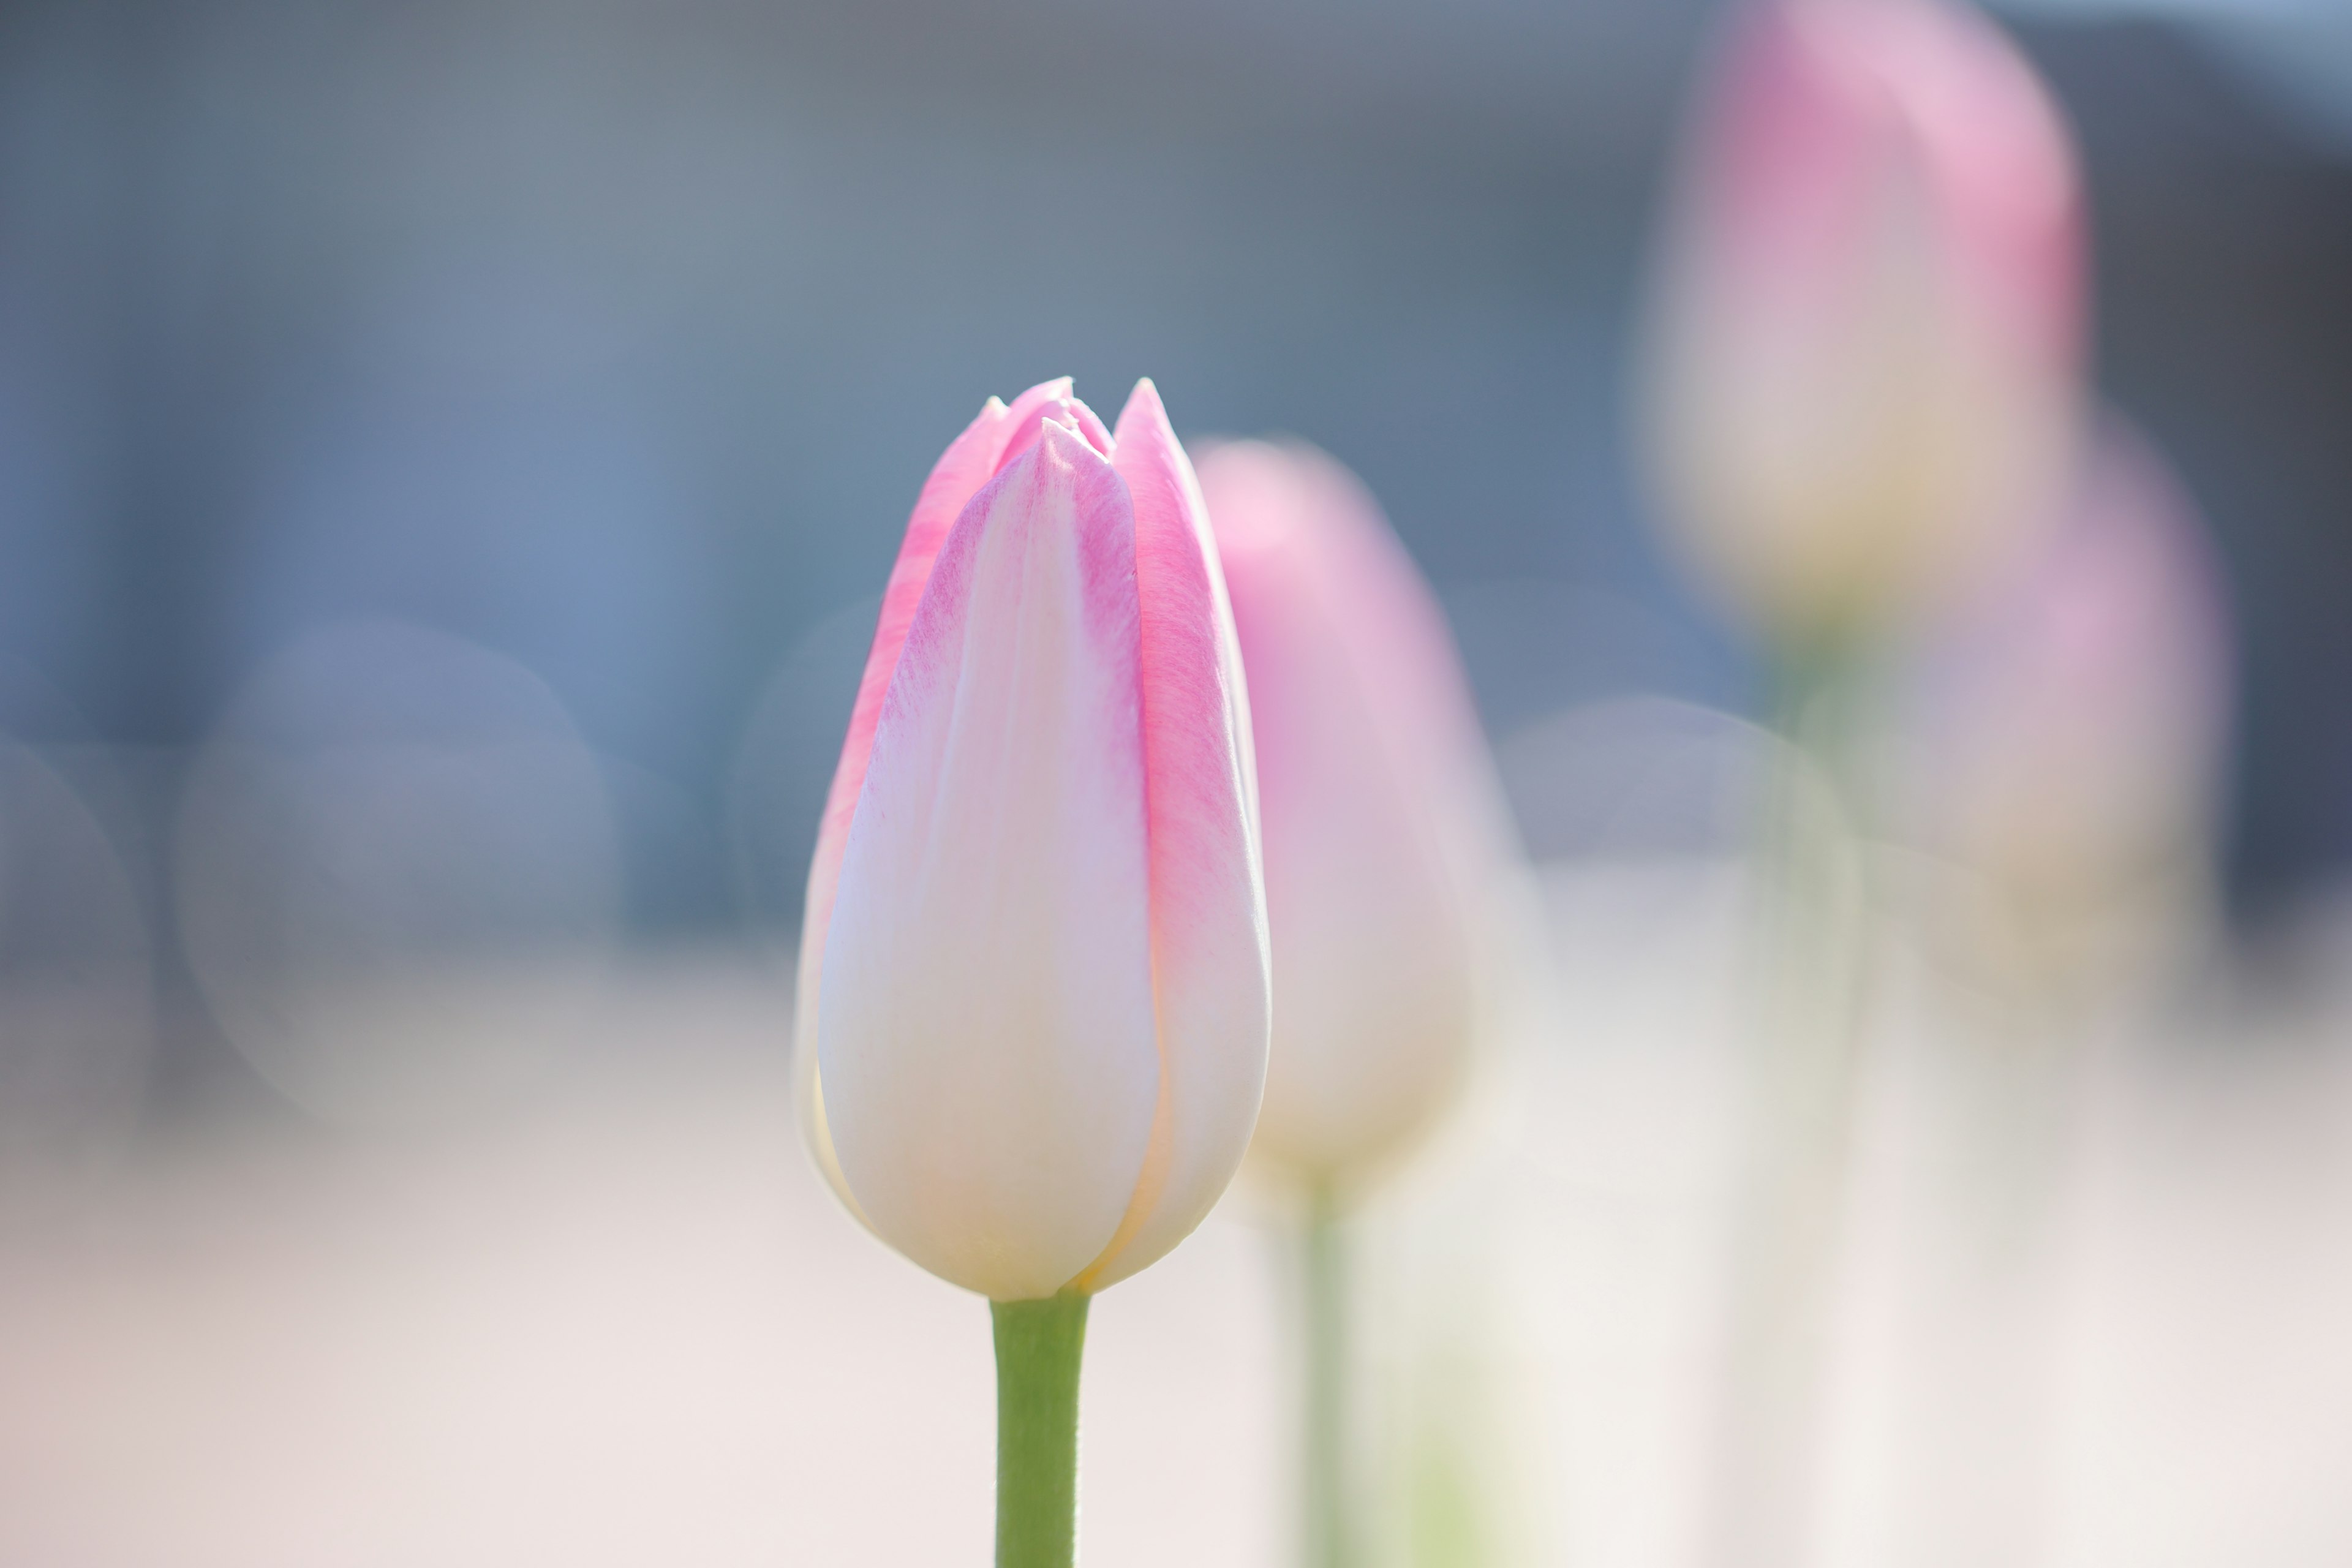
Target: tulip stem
(1812, 946)
(1038, 1347)
(1326, 1289)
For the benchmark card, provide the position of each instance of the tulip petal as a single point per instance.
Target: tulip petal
(1208, 908)
(985, 1023)
(1029, 420)
(968, 464)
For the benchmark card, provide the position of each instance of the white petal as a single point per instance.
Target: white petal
(986, 1031)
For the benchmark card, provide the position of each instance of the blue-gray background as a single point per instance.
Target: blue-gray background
(617, 334)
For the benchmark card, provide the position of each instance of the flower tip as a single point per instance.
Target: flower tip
(1144, 422)
(1090, 426)
(1049, 391)
(1072, 434)
(1049, 403)
(1144, 400)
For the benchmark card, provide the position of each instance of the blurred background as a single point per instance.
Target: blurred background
(449, 454)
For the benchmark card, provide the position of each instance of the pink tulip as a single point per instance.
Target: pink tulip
(2068, 731)
(1385, 851)
(1032, 1005)
(1868, 330)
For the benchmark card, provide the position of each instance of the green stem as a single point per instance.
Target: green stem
(1326, 1386)
(1039, 1346)
(1811, 949)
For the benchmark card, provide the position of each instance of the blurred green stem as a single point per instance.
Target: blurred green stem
(1038, 1348)
(1809, 989)
(1325, 1294)
(1817, 696)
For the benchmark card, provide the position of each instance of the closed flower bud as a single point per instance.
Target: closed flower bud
(1865, 341)
(1389, 870)
(1032, 1005)
(2065, 736)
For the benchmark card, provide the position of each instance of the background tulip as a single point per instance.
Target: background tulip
(2063, 739)
(1388, 872)
(1862, 383)
(2058, 747)
(1866, 336)
(1034, 996)
(1386, 853)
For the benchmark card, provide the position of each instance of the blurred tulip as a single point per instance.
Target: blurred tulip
(1033, 987)
(1386, 856)
(1867, 340)
(2057, 745)
(2066, 736)
(1387, 869)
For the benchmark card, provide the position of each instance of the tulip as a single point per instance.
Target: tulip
(1861, 385)
(1387, 869)
(1867, 334)
(1385, 848)
(1032, 996)
(2067, 733)
(2058, 746)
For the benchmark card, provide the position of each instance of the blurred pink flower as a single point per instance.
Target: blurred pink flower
(1386, 853)
(2066, 736)
(1033, 987)
(1869, 319)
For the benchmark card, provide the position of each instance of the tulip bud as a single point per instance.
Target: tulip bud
(1386, 856)
(1866, 337)
(1033, 1004)
(2067, 734)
